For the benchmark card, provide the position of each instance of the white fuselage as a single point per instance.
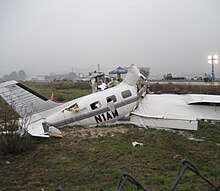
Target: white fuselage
(94, 109)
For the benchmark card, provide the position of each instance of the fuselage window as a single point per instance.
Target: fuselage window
(73, 107)
(126, 94)
(95, 105)
(111, 98)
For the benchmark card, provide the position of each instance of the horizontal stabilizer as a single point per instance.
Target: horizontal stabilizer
(24, 100)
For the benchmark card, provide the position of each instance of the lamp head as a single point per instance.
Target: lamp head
(215, 57)
(209, 57)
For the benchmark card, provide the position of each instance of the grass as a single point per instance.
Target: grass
(88, 162)
(63, 91)
(185, 89)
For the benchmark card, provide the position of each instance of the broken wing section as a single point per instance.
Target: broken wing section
(24, 100)
(176, 111)
(205, 100)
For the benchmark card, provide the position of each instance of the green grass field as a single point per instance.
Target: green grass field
(63, 91)
(94, 158)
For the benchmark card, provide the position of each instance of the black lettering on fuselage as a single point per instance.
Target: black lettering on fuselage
(103, 116)
(98, 119)
(115, 114)
(106, 116)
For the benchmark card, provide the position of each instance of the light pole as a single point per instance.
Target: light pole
(213, 60)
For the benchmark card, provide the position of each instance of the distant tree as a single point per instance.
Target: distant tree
(13, 76)
(47, 78)
(72, 76)
(22, 75)
(5, 77)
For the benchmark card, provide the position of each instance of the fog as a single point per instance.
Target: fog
(59, 36)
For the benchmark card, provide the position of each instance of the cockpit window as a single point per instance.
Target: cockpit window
(111, 98)
(95, 105)
(126, 93)
(74, 108)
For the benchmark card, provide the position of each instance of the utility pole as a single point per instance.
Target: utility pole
(213, 60)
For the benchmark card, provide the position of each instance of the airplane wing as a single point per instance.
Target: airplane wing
(24, 100)
(198, 99)
(176, 111)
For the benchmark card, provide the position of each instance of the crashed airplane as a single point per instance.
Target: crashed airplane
(41, 117)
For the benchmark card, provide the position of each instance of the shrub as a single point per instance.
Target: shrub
(13, 143)
(10, 140)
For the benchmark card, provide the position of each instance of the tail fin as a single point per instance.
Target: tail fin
(133, 75)
(24, 100)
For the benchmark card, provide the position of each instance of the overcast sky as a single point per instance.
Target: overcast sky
(58, 36)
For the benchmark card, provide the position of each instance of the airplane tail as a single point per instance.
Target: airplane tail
(24, 100)
(133, 75)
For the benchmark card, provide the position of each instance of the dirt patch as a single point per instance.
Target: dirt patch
(94, 132)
